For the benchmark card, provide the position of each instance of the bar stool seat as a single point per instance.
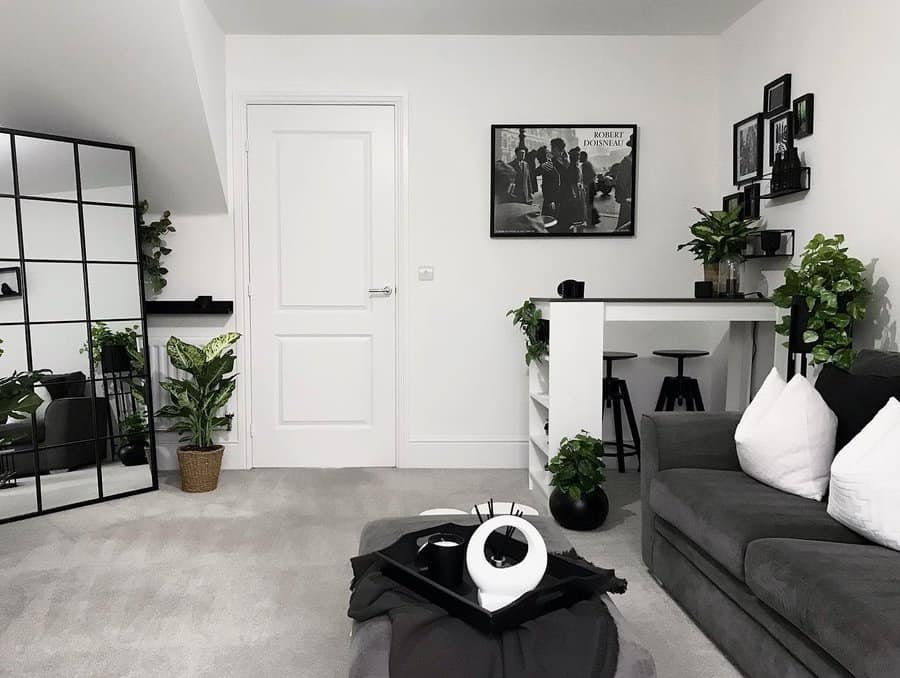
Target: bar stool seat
(615, 396)
(680, 390)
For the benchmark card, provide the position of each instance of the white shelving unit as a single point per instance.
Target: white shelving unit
(566, 389)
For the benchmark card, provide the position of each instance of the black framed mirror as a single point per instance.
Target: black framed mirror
(72, 307)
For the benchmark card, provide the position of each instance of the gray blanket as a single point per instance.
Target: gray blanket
(371, 641)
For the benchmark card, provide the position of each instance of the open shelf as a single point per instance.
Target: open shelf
(199, 306)
(786, 249)
(542, 399)
(542, 443)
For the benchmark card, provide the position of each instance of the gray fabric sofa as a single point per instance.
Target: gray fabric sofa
(773, 580)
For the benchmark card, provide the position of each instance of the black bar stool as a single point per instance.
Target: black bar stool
(680, 390)
(615, 396)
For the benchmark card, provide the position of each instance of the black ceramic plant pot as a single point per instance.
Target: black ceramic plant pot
(587, 513)
(134, 453)
(770, 241)
(114, 358)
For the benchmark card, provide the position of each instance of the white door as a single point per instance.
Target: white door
(323, 223)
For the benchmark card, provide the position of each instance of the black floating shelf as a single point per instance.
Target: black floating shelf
(805, 179)
(199, 306)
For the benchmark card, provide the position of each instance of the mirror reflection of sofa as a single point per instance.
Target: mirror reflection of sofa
(63, 419)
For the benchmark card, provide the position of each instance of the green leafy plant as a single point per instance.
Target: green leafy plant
(719, 235)
(528, 317)
(153, 248)
(835, 291)
(134, 427)
(17, 397)
(196, 401)
(578, 467)
(102, 336)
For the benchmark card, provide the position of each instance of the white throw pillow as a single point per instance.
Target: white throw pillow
(864, 494)
(785, 438)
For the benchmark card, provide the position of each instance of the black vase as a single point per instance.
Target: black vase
(587, 513)
(770, 241)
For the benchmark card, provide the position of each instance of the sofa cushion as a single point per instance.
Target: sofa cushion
(854, 398)
(845, 597)
(723, 511)
(882, 363)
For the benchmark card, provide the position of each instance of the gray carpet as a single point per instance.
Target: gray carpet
(251, 580)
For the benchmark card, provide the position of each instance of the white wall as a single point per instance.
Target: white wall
(466, 375)
(848, 56)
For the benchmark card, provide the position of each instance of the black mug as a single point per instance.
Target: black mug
(444, 556)
(703, 289)
(571, 289)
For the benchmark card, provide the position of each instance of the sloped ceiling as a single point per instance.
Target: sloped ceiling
(121, 71)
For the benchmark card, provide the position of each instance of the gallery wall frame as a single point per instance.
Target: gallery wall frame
(804, 116)
(777, 96)
(747, 149)
(563, 180)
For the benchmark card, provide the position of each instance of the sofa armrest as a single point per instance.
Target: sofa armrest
(682, 440)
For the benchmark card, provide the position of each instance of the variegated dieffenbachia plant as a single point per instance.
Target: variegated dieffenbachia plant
(196, 401)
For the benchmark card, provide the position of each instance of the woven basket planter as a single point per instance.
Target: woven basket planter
(200, 468)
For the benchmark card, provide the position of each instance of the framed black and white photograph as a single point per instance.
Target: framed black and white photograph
(10, 282)
(747, 150)
(781, 135)
(751, 201)
(803, 116)
(733, 201)
(563, 180)
(777, 96)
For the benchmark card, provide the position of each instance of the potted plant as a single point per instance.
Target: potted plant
(832, 286)
(196, 402)
(113, 350)
(17, 401)
(718, 237)
(535, 328)
(134, 427)
(577, 501)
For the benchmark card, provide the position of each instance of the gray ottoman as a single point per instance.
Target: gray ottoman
(371, 641)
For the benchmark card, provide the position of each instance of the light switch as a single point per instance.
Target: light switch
(426, 272)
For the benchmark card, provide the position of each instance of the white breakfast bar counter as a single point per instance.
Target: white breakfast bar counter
(567, 389)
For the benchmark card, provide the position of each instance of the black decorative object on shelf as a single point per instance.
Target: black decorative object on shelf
(776, 242)
(703, 289)
(571, 289)
(203, 305)
(751, 202)
(777, 96)
(803, 116)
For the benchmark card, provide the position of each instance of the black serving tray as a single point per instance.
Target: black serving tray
(566, 581)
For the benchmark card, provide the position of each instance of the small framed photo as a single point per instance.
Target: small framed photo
(751, 201)
(732, 201)
(803, 116)
(747, 150)
(781, 135)
(777, 96)
(10, 282)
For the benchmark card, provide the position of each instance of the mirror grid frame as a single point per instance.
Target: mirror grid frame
(94, 375)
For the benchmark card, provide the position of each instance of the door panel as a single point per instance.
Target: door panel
(322, 234)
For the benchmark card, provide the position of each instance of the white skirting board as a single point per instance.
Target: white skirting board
(464, 452)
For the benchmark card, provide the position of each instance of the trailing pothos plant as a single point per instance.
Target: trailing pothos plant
(153, 247)
(17, 397)
(528, 317)
(835, 290)
(196, 401)
(719, 235)
(578, 467)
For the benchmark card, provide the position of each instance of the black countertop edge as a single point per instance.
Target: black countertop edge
(656, 300)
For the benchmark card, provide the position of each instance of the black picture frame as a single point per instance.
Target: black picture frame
(804, 116)
(732, 200)
(777, 96)
(611, 150)
(11, 278)
(781, 134)
(747, 140)
(751, 196)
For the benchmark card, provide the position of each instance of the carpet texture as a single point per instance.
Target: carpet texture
(251, 580)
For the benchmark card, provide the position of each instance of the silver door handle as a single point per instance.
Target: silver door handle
(386, 290)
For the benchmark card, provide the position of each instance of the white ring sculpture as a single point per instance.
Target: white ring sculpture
(498, 587)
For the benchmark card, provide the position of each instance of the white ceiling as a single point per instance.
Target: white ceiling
(485, 17)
